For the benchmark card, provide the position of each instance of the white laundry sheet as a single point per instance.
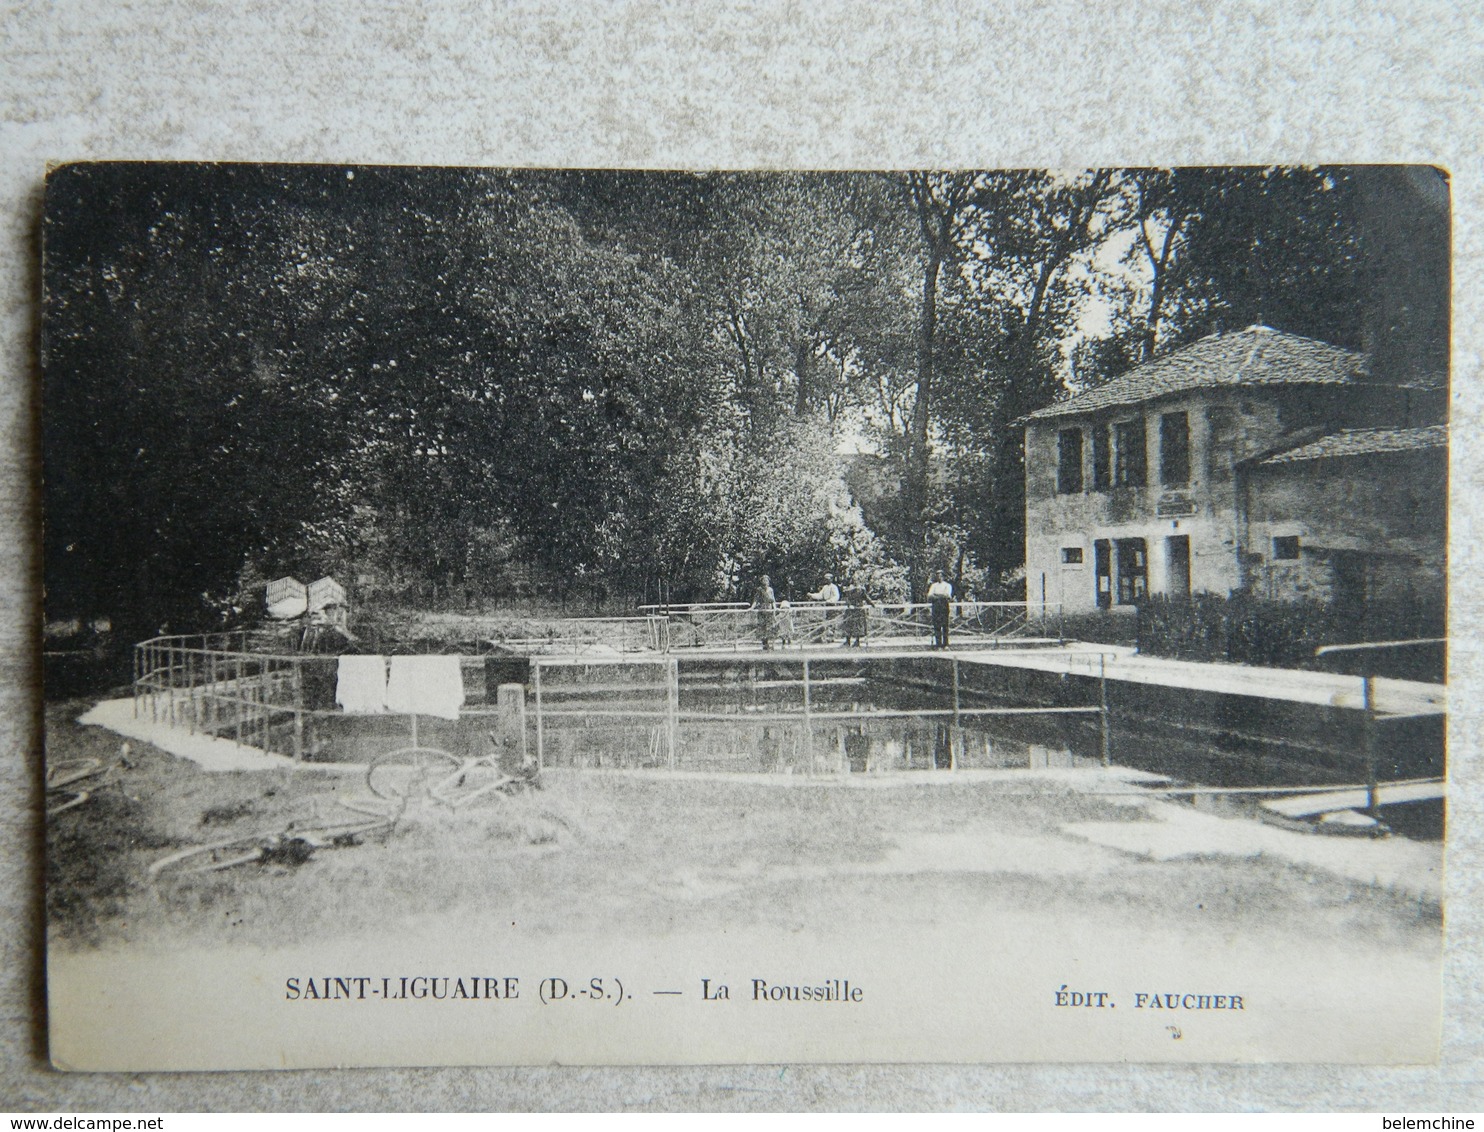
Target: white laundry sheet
(426, 685)
(360, 684)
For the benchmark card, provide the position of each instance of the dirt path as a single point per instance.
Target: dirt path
(206, 751)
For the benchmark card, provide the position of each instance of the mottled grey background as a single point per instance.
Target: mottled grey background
(743, 84)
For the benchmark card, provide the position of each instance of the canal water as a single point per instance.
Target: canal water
(748, 717)
(752, 717)
(879, 716)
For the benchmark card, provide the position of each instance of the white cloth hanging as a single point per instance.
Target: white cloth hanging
(426, 685)
(360, 684)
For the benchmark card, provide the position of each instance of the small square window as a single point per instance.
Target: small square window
(1071, 555)
(1286, 547)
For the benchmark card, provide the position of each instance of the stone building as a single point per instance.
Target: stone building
(1254, 459)
(1351, 518)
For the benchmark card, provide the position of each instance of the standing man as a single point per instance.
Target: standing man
(764, 604)
(829, 593)
(940, 596)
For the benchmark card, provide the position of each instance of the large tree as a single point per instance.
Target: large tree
(1229, 247)
(997, 299)
(616, 377)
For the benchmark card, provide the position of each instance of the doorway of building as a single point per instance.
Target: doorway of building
(1177, 566)
(1102, 572)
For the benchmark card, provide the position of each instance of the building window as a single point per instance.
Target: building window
(1069, 461)
(1130, 460)
(1102, 459)
(1286, 547)
(1221, 434)
(1133, 570)
(1071, 556)
(1174, 449)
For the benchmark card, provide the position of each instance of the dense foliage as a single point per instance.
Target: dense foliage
(451, 380)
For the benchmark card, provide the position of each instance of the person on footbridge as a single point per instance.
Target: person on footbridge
(940, 597)
(765, 605)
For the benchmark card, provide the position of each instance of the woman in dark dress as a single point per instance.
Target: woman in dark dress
(856, 604)
(765, 606)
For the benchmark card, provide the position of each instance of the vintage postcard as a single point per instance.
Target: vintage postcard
(623, 617)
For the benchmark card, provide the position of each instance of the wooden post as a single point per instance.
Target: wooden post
(510, 727)
(954, 732)
(672, 708)
(1368, 698)
(170, 667)
(298, 711)
(265, 684)
(1105, 737)
(808, 724)
(190, 666)
(540, 723)
(239, 694)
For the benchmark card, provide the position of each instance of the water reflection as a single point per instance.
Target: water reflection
(758, 726)
(748, 715)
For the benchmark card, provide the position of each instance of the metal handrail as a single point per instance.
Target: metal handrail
(1370, 738)
(1368, 646)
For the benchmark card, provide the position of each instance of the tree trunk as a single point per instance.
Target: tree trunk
(1161, 269)
(917, 450)
(801, 375)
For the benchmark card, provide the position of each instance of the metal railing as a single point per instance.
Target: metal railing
(733, 626)
(579, 635)
(210, 684)
(220, 685)
(245, 686)
(1371, 739)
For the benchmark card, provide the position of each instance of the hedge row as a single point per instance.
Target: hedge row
(1249, 630)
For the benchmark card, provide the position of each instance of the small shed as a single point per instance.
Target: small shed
(325, 593)
(287, 598)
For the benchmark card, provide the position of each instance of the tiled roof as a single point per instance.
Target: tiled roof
(1258, 355)
(1365, 442)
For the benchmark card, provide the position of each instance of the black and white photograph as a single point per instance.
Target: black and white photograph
(518, 616)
